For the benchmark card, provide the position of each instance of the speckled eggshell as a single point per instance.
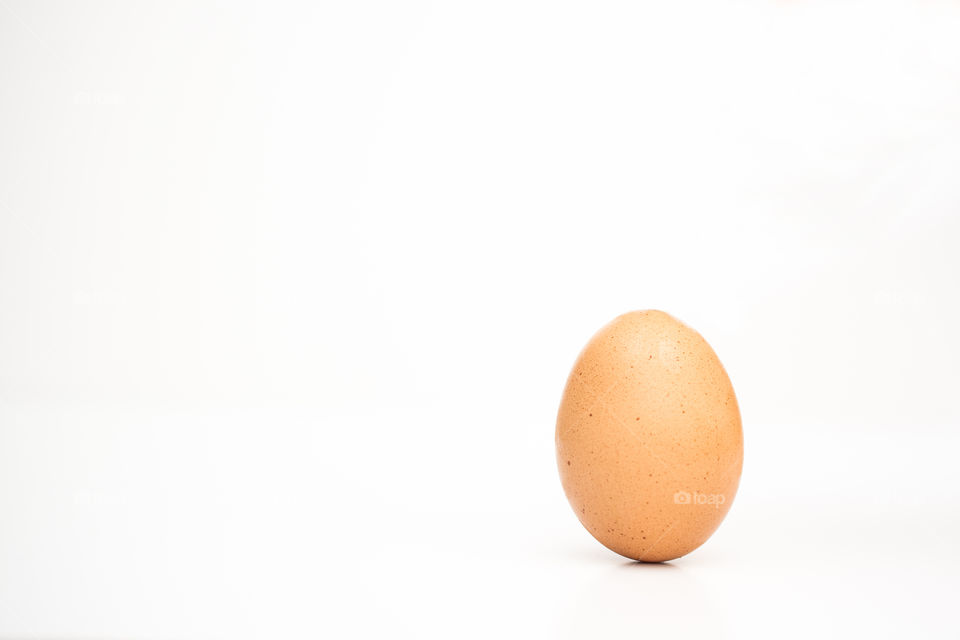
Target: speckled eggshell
(649, 441)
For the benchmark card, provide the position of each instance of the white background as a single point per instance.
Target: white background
(289, 293)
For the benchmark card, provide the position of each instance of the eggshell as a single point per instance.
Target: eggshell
(649, 440)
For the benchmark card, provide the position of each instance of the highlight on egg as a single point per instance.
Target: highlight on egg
(649, 439)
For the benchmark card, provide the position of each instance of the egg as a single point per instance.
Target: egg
(649, 440)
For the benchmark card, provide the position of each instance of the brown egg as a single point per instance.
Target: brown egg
(649, 442)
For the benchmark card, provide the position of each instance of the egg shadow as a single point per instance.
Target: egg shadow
(662, 598)
(640, 565)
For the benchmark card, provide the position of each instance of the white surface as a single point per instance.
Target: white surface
(288, 296)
